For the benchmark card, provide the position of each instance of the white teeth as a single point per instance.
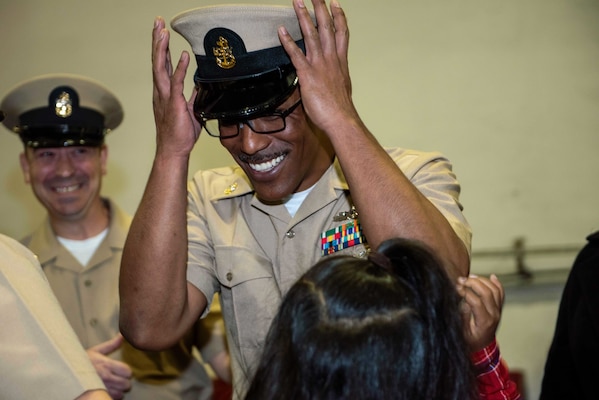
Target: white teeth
(265, 166)
(66, 189)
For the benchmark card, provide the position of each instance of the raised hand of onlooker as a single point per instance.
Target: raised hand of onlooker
(482, 301)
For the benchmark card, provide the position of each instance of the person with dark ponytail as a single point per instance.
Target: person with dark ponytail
(391, 326)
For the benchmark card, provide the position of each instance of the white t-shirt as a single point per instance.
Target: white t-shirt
(296, 199)
(83, 250)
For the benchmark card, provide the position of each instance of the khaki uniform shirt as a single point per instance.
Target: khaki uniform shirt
(252, 253)
(90, 299)
(40, 356)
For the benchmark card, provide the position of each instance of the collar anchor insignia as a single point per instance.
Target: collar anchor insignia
(231, 189)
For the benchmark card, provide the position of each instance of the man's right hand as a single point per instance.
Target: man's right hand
(115, 374)
(177, 129)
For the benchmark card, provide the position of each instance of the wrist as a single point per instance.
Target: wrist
(488, 355)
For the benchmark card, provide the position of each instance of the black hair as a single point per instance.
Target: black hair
(386, 327)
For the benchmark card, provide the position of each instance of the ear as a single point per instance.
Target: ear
(25, 166)
(104, 158)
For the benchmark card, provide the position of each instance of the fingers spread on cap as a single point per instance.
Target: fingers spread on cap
(341, 30)
(161, 61)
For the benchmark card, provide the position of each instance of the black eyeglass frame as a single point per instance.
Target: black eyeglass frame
(247, 121)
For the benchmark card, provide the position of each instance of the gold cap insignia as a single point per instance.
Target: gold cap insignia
(63, 105)
(224, 54)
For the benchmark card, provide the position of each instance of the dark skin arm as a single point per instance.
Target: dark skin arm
(372, 175)
(153, 283)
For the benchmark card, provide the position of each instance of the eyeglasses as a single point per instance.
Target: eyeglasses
(270, 123)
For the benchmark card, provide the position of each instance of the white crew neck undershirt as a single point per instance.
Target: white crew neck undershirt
(296, 199)
(83, 250)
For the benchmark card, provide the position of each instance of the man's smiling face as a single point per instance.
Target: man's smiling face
(282, 163)
(66, 180)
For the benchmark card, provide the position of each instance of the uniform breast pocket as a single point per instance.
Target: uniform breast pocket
(250, 296)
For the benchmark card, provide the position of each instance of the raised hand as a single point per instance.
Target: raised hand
(481, 308)
(323, 71)
(177, 129)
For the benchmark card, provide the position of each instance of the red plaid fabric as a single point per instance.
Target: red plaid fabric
(492, 375)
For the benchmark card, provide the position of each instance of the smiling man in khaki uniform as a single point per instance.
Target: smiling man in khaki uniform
(273, 85)
(62, 120)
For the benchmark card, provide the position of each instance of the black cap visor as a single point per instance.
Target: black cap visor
(41, 128)
(245, 97)
(61, 136)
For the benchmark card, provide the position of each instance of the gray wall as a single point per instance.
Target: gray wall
(508, 90)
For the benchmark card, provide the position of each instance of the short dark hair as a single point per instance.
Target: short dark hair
(359, 329)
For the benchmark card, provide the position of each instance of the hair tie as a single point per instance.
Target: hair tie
(380, 260)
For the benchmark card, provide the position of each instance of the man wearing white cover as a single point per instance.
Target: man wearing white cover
(62, 121)
(311, 179)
